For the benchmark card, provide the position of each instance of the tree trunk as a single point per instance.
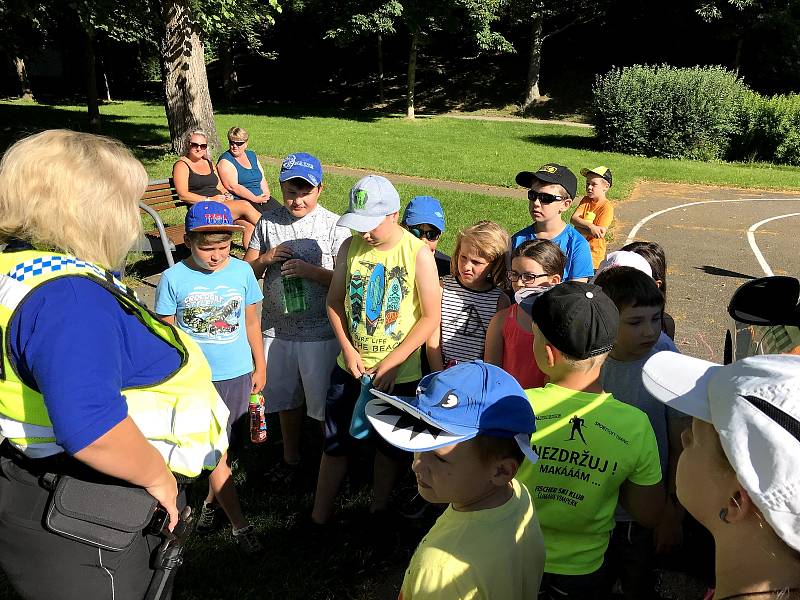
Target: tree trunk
(412, 73)
(102, 64)
(737, 60)
(186, 98)
(381, 94)
(532, 95)
(230, 78)
(22, 76)
(92, 101)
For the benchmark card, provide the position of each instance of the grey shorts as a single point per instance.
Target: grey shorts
(235, 393)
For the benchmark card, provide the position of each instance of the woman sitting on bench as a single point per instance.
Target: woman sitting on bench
(196, 180)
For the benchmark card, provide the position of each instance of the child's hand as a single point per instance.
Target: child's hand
(597, 231)
(259, 380)
(669, 532)
(383, 376)
(353, 362)
(278, 253)
(296, 268)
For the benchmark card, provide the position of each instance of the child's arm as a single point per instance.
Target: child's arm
(170, 319)
(588, 227)
(427, 285)
(338, 317)
(644, 502)
(296, 267)
(253, 328)
(493, 348)
(669, 531)
(259, 260)
(433, 345)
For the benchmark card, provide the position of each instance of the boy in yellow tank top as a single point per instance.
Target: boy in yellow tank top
(383, 303)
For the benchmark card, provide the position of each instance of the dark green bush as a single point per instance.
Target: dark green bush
(667, 111)
(768, 129)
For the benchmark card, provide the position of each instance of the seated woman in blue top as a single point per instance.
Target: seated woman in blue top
(240, 171)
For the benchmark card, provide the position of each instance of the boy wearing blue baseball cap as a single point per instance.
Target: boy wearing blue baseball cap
(470, 429)
(294, 247)
(214, 298)
(424, 218)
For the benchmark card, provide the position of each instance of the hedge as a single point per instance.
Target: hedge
(701, 113)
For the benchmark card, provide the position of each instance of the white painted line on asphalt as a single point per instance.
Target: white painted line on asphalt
(751, 238)
(632, 235)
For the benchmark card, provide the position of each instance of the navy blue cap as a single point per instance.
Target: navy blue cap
(210, 216)
(301, 165)
(453, 406)
(424, 209)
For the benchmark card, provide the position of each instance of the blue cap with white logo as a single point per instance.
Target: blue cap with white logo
(303, 166)
(424, 209)
(453, 406)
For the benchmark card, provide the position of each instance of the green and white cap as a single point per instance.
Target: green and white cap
(371, 199)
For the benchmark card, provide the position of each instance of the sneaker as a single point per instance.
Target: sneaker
(209, 518)
(247, 540)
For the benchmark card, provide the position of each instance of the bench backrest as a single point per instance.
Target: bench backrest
(161, 195)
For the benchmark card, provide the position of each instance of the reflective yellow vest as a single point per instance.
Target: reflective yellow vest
(183, 417)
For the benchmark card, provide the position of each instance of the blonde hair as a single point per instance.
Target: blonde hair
(238, 133)
(491, 242)
(72, 192)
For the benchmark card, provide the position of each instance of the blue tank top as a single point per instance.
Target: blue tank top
(249, 178)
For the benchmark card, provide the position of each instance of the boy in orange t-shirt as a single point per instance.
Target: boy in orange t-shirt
(595, 212)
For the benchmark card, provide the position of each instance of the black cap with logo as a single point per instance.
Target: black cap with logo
(550, 173)
(577, 318)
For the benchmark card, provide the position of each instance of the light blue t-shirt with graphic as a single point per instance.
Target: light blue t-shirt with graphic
(210, 307)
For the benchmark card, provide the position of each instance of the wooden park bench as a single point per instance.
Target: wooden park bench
(159, 196)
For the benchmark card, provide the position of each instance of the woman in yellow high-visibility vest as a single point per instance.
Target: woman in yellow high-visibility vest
(92, 384)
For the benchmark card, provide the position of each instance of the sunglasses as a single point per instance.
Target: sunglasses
(196, 145)
(235, 143)
(514, 276)
(543, 198)
(431, 235)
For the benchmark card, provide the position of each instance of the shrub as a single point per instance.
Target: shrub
(667, 111)
(768, 129)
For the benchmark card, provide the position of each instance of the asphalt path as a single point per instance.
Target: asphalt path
(715, 239)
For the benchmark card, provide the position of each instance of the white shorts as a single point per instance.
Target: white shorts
(297, 367)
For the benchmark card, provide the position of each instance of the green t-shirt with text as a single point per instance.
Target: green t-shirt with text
(588, 446)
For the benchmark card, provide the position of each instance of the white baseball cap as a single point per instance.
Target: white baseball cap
(625, 258)
(371, 199)
(754, 404)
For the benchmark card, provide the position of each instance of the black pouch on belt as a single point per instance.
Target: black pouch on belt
(99, 514)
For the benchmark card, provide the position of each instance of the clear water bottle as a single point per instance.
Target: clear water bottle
(258, 419)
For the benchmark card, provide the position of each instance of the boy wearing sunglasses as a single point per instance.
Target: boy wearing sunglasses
(550, 193)
(424, 219)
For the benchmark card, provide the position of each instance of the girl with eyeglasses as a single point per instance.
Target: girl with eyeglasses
(471, 295)
(196, 180)
(535, 266)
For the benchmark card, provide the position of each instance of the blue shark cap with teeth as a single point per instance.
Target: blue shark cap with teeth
(453, 406)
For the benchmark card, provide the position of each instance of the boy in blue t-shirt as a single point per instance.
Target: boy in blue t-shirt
(550, 193)
(215, 298)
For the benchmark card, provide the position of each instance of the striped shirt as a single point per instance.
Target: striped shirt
(465, 317)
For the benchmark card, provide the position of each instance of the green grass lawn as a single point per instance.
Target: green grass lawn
(438, 147)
